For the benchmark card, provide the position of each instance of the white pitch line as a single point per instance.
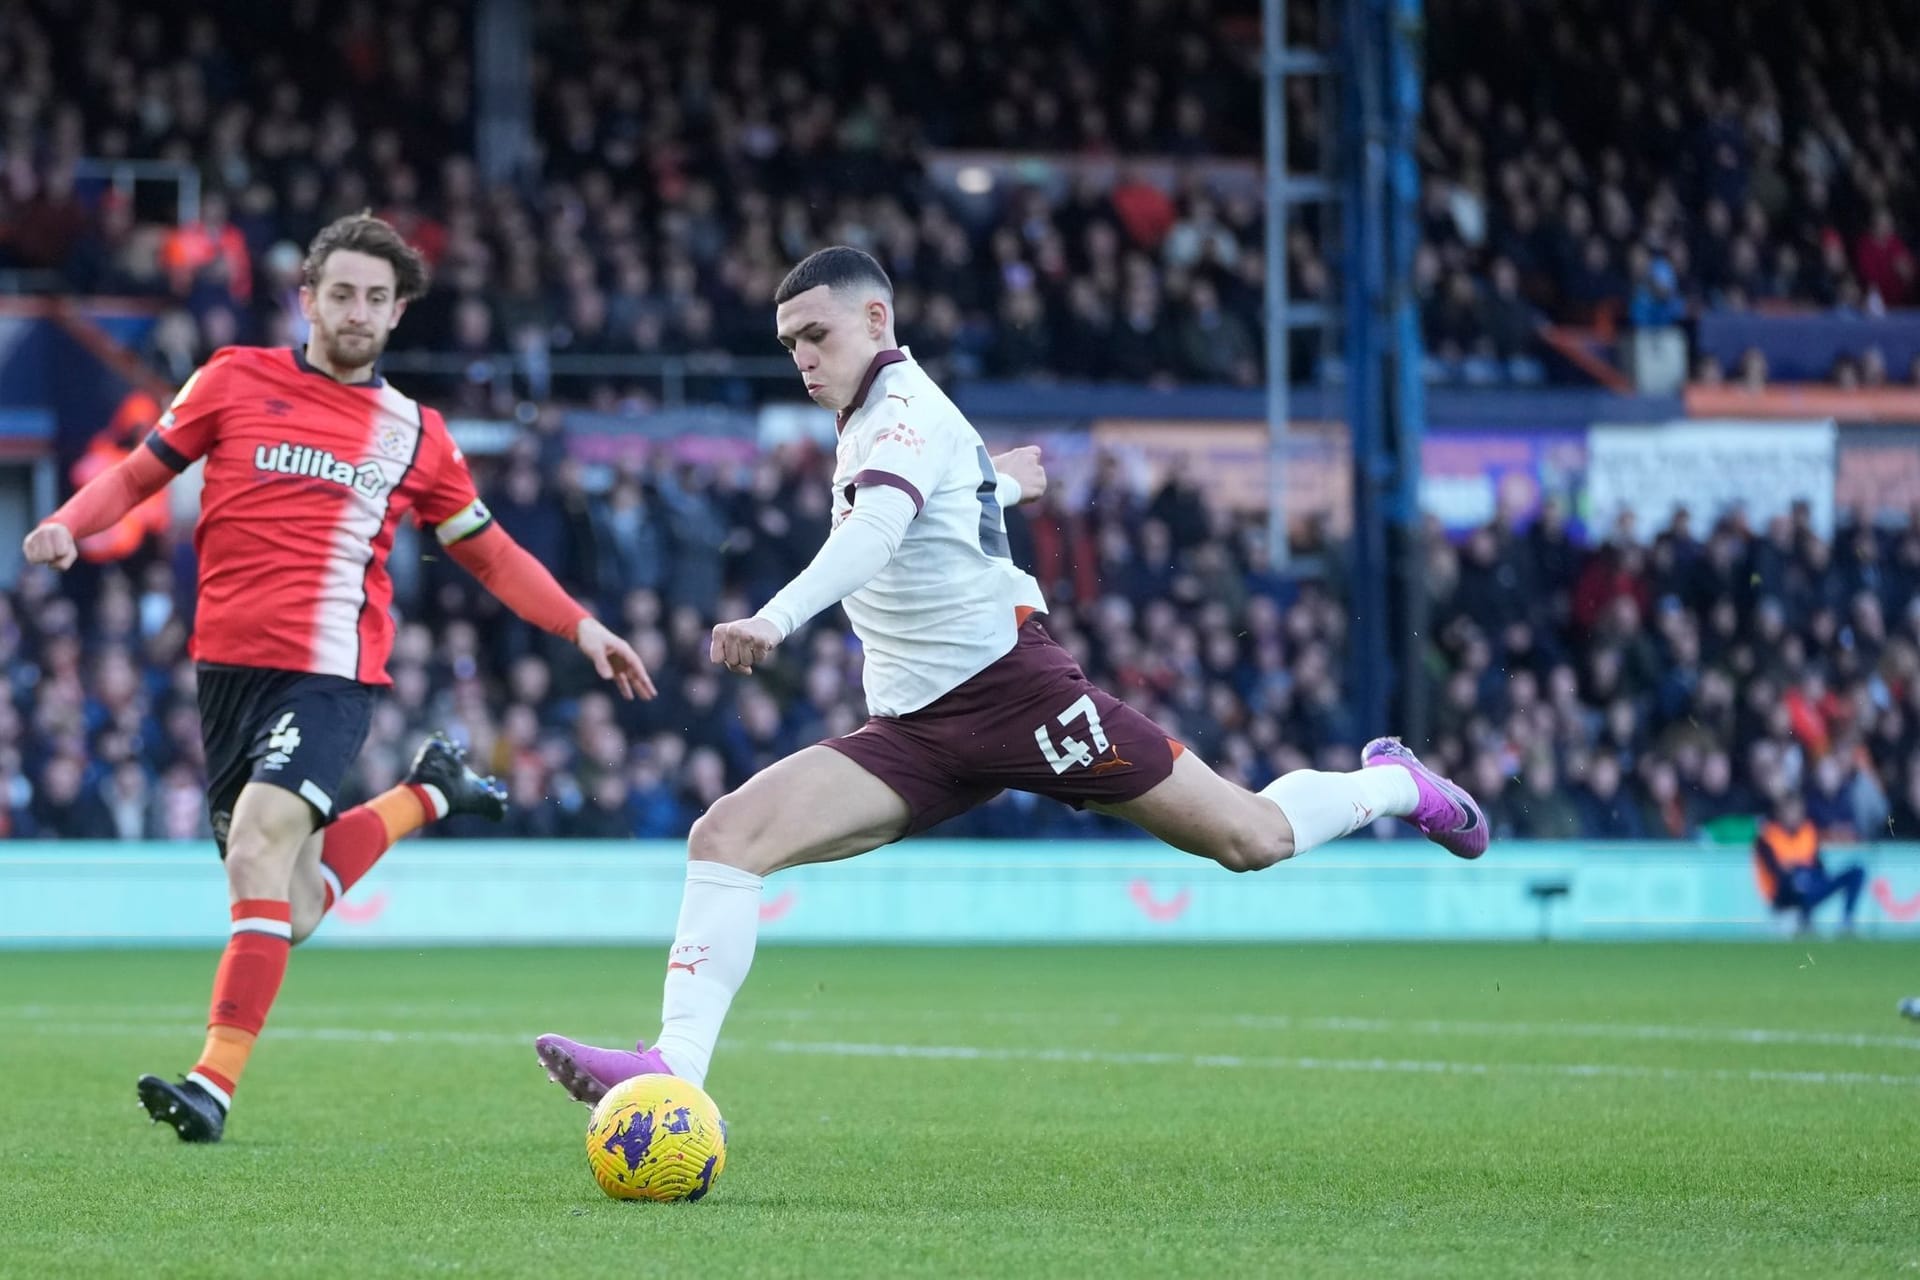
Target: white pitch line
(39, 1012)
(1582, 1030)
(1400, 1066)
(1619, 1031)
(1083, 1057)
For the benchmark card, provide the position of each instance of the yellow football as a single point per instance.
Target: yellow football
(656, 1137)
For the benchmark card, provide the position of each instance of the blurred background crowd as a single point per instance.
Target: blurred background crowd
(1643, 688)
(1641, 162)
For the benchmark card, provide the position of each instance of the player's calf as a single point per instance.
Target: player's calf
(439, 784)
(814, 806)
(263, 843)
(1197, 811)
(308, 902)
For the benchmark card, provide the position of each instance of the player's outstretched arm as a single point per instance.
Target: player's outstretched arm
(860, 548)
(99, 504)
(1023, 467)
(523, 584)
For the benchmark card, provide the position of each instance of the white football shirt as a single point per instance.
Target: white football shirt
(944, 608)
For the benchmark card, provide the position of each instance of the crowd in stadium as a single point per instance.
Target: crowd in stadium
(1645, 160)
(1655, 684)
(1640, 163)
(1642, 689)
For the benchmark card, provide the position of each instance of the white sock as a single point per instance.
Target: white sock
(712, 951)
(1325, 806)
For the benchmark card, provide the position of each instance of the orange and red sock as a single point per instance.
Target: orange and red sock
(248, 979)
(356, 839)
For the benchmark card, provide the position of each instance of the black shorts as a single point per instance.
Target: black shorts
(289, 729)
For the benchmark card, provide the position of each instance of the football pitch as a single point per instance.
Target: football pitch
(1149, 1111)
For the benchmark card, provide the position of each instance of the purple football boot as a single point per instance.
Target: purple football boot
(1445, 815)
(586, 1073)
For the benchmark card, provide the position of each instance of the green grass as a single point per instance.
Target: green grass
(1321, 1110)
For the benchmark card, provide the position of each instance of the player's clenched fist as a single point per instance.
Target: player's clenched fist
(51, 544)
(1024, 465)
(738, 645)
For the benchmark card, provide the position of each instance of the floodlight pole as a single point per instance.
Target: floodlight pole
(1273, 35)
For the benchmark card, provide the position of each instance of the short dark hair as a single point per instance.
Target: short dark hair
(364, 233)
(841, 267)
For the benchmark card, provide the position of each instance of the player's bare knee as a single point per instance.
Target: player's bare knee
(1276, 841)
(1237, 855)
(258, 868)
(260, 859)
(722, 835)
(1256, 844)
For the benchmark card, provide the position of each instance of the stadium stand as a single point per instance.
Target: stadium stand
(1645, 687)
(1767, 658)
(1734, 165)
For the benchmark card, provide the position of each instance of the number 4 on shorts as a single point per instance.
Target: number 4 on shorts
(284, 737)
(1072, 751)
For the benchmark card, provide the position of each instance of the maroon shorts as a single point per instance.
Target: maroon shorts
(1032, 721)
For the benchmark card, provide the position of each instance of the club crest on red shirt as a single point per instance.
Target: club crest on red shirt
(393, 441)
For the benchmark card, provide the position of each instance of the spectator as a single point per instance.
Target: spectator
(1656, 302)
(49, 223)
(62, 808)
(207, 261)
(1200, 239)
(1614, 574)
(1605, 813)
(1213, 345)
(1542, 811)
(1717, 794)
(1884, 262)
(1904, 822)
(1510, 324)
(1142, 345)
(1145, 211)
(1665, 813)
(604, 816)
(127, 801)
(1022, 346)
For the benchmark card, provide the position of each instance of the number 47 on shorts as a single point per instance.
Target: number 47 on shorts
(1072, 751)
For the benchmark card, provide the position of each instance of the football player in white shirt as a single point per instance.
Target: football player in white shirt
(968, 694)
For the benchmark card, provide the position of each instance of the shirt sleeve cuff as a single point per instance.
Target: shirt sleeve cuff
(1007, 491)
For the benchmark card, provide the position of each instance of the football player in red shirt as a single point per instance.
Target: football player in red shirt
(311, 461)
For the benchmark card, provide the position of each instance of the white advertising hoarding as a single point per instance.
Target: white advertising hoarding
(1708, 468)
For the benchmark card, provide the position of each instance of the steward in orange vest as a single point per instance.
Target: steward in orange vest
(1786, 862)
